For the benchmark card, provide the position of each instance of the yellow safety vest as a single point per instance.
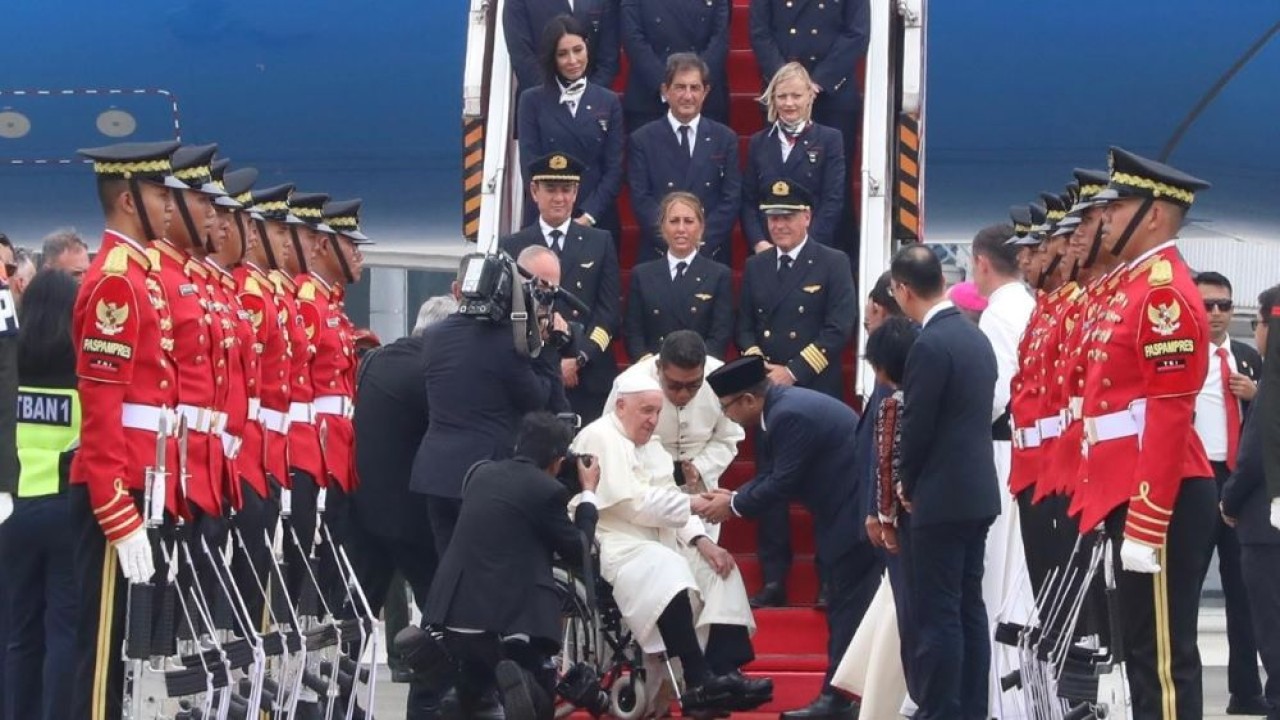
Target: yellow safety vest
(48, 427)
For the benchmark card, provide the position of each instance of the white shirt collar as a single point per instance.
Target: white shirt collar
(546, 230)
(675, 125)
(793, 253)
(127, 239)
(1011, 288)
(672, 261)
(1214, 347)
(1138, 260)
(933, 311)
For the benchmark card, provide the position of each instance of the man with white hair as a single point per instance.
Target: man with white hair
(648, 533)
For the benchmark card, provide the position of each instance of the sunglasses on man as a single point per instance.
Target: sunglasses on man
(1224, 305)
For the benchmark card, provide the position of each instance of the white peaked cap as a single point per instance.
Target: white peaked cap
(630, 383)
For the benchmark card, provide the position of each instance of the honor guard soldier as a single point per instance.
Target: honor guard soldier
(588, 269)
(197, 329)
(797, 310)
(124, 342)
(1148, 476)
(655, 30)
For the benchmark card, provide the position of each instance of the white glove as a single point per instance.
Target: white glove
(135, 557)
(6, 506)
(1275, 513)
(1139, 558)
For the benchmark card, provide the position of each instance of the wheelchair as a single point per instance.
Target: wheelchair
(600, 668)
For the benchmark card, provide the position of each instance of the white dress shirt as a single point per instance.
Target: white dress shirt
(785, 142)
(933, 312)
(793, 253)
(693, 130)
(1008, 311)
(1211, 408)
(546, 233)
(673, 261)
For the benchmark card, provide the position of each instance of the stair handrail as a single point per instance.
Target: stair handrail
(493, 100)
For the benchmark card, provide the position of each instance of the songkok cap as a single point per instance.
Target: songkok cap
(783, 197)
(149, 162)
(737, 376)
(1133, 176)
(193, 165)
(344, 217)
(272, 203)
(556, 167)
(239, 186)
(629, 383)
(219, 168)
(308, 209)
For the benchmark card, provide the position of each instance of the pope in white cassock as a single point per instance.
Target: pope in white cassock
(670, 580)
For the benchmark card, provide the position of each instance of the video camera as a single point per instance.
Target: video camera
(494, 288)
(568, 475)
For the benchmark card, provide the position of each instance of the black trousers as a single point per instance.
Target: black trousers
(900, 583)
(253, 524)
(478, 654)
(1159, 612)
(852, 578)
(773, 543)
(301, 523)
(953, 645)
(1242, 663)
(1258, 565)
(1048, 536)
(39, 582)
(442, 515)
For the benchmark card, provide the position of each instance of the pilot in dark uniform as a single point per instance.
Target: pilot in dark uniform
(571, 114)
(795, 148)
(685, 150)
(652, 30)
(523, 21)
(588, 269)
(797, 310)
(682, 290)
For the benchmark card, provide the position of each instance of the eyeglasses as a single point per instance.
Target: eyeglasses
(1219, 305)
(675, 387)
(724, 406)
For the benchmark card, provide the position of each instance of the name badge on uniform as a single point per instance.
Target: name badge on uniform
(331, 322)
(185, 290)
(587, 265)
(813, 156)
(811, 289)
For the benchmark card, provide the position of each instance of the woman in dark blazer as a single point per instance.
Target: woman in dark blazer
(652, 31)
(570, 114)
(666, 296)
(794, 147)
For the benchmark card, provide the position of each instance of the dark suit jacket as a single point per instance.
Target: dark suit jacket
(390, 420)
(496, 574)
(524, 20)
(653, 30)
(814, 306)
(804, 453)
(656, 166)
(1244, 496)
(867, 451)
(817, 162)
(595, 136)
(1248, 363)
(657, 305)
(828, 37)
(478, 388)
(589, 270)
(948, 471)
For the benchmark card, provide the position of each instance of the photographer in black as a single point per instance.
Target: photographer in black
(484, 371)
(494, 595)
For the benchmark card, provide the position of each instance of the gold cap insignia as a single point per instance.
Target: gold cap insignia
(781, 188)
(558, 162)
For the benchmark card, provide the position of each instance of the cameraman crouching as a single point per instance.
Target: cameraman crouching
(494, 594)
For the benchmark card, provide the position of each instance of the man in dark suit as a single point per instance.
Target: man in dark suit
(524, 20)
(796, 310)
(1221, 408)
(804, 452)
(949, 486)
(652, 30)
(685, 150)
(478, 387)
(589, 270)
(496, 576)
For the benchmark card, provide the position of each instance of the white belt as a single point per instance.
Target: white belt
(1049, 427)
(231, 445)
(1075, 406)
(203, 420)
(255, 404)
(274, 420)
(1116, 425)
(300, 412)
(334, 405)
(1026, 438)
(148, 418)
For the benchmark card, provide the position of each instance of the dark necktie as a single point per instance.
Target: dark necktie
(556, 243)
(1232, 407)
(681, 267)
(784, 266)
(684, 141)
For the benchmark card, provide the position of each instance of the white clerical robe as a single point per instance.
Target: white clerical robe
(698, 432)
(644, 532)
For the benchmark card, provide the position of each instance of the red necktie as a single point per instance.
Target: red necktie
(1233, 409)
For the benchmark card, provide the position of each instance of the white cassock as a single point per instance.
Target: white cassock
(698, 432)
(644, 532)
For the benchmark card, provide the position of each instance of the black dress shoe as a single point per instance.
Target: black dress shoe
(771, 595)
(1248, 706)
(517, 695)
(827, 706)
(752, 692)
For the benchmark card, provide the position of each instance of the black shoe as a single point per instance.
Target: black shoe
(308, 711)
(749, 693)
(1256, 705)
(513, 688)
(827, 706)
(771, 595)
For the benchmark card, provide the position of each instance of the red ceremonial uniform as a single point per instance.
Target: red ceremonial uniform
(266, 436)
(201, 371)
(1027, 397)
(331, 374)
(1066, 313)
(304, 443)
(1149, 358)
(122, 334)
(241, 389)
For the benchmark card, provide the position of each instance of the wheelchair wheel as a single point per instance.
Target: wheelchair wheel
(627, 697)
